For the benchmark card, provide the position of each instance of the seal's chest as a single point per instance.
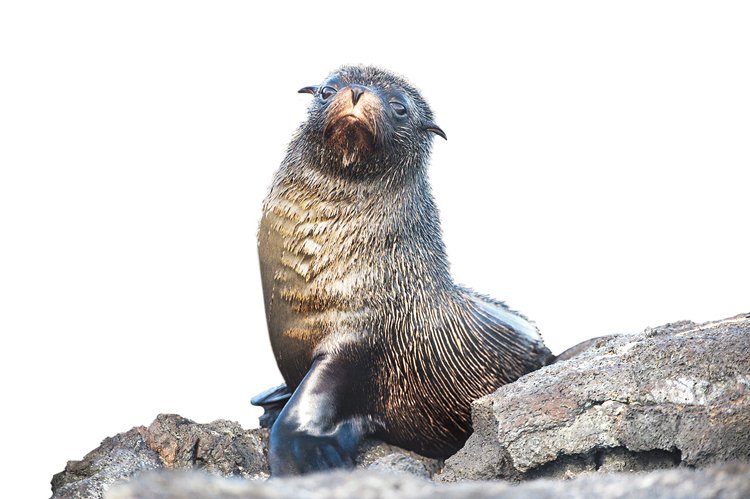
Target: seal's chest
(310, 284)
(296, 234)
(306, 259)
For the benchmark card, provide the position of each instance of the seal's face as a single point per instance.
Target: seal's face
(367, 121)
(354, 120)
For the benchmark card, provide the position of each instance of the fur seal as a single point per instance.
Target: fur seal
(370, 333)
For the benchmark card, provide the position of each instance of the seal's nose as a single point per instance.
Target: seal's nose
(356, 94)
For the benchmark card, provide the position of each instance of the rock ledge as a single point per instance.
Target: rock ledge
(671, 403)
(674, 395)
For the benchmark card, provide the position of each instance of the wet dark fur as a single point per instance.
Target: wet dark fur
(354, 269)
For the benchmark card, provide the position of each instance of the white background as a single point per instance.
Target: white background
(595, 178)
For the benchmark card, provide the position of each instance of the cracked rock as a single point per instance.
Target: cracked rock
(380, 456)
(674, 395)
(171, 442)
(221, 448)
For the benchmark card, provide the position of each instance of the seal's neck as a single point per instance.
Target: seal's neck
(397, 217)
(387, 190)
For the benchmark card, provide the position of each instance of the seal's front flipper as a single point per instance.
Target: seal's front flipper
(320, 428)
(272, 401)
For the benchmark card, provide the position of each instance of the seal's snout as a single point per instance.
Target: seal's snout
(356, 100)
(357, 92)
(354, 121)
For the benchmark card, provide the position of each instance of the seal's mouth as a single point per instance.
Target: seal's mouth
(350, 132)
(350, 127)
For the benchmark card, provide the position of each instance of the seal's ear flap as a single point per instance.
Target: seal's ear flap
(308, 90)
(432, 127)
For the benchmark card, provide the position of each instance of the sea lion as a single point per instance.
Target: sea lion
(370, 333)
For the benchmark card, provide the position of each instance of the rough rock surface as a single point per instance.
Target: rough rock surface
(171, 442)
(673, 395)
(221, 448)
(380, 456)
(728, 481)
(116, 459)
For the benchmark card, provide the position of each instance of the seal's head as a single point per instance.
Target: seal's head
(367, 121)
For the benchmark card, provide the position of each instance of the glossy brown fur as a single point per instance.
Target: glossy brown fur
(353, 265)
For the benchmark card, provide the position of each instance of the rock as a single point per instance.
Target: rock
(222, 448)
(674, 395)
(380, 456)
(116, 459)
(171, 442)
(727, 481)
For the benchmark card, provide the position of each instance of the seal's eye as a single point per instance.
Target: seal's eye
(398, 108)
(327, 92)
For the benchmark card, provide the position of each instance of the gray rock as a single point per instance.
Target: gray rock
(222, 448)
(727, 481)
(171, 442)
(116, 459)
(380, 456)
(674, 395)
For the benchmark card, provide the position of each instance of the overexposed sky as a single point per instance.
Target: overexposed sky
(595, 177)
